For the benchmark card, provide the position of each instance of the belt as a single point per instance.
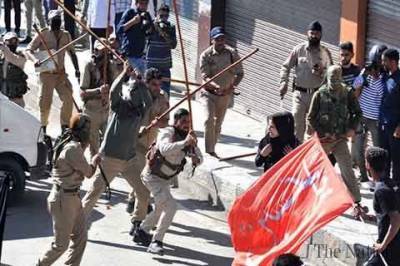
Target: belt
(214, 93)
(67, 190)
(305, 89)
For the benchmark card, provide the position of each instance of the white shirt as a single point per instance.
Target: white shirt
(97, 14)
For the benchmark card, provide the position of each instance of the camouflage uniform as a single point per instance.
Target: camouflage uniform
(333, 112)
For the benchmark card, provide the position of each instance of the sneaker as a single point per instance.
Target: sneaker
(135, 226)
(142, 237)
(156, 247)
(130, 206)
(26, 40)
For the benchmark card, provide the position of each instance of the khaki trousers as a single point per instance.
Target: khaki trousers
(68, 224)
(30, 5)
(20, 101)
(60, 82)
(342, 155)
(139, 164)
(112, 167)
(165, 206)
(215, 110)
(301, 106)
(98, 123)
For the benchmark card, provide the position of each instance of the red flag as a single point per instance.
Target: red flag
(283, 208)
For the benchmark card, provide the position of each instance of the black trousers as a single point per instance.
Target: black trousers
(8, 4)
(101, 32)
(392, 145)
(69, 23)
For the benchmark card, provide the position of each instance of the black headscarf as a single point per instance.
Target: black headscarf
(284, 123)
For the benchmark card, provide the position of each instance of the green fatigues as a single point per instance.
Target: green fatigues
(95, 106)
(165, 204)
(332, 114)
(303, 58)
(65, 206)
(13, 80)
(58, 80)
(211, 63)
(119, 146)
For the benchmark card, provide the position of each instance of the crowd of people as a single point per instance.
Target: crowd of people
(121, 97)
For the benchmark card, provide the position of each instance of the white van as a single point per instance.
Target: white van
(22, 146)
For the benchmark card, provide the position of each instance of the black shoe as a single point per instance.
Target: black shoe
(130, 206)
(135, 226)
(142, 237)
(26, 40)
(149, 208)
(156, 247)
(63, 129)
(213, 154)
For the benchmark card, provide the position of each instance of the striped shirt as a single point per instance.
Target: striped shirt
(371, 96)
(350, 73)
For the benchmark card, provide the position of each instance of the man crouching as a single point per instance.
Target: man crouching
(165, 160)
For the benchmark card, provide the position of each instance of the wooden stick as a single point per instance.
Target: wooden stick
(184, 63)
(155, 121)
(184, 82)
(105, 78)
(237, 156)
(89, 30)
(63, 48)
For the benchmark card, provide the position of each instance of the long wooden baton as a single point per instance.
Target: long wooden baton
(63, 48)
(155, 121)
(237, 156)
(184, 82)
(184, 63)
(89, 30)
(51, 56)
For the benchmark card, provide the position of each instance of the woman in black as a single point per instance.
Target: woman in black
(279, 140)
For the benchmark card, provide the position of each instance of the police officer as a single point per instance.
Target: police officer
(160, 105)
(95, 92)
(12, 76)
(334, 115)
(166, 159)
(310, 60)
(118, 149)
(70, 168)
(217, 95)
(55, 38)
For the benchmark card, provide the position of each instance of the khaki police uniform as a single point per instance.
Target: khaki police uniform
(13, 78)
(160, 105)
(173, 151)
(216, 103)
(65, 206)
(96, 106)
(30, 5)
(58, 79)
(303, 58)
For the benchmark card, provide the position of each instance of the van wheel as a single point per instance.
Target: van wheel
(11, 168)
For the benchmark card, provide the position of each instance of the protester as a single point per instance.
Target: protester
(389, 121)
(387, 208)
(334, 115)
(29, 6)
(159, 45)
(166, 159)
(134, 26)
(118, 149)
(16, 5)
(278, 142)
(349, 70)
(148, 137)
(310, 61)
(57, 79)
(369, 88)
(217, 95)
(13, 80)
(120, 7)
(70, 169)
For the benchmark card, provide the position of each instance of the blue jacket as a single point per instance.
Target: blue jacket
(133, 41)
(390, 108)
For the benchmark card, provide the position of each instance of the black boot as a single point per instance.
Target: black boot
(130, 206)
(135, 226)
(142, 237)
(44, 129)
(26, 40)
